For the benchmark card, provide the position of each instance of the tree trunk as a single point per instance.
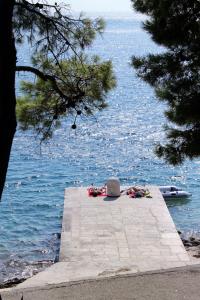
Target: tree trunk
(7, 87)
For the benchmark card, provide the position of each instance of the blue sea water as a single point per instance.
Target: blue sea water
(118, 141)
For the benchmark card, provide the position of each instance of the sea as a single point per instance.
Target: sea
(119, 141)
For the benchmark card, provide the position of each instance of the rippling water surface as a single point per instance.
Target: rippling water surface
(118, 141)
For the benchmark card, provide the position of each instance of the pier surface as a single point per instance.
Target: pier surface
(120, 234)
(106, 237)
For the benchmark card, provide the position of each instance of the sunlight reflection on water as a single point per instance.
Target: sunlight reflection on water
(118, 141)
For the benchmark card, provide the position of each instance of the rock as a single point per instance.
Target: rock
(184, 241)
(11, 282)
(57, 235)
(197, 255)
(195, 243)
(188, 244)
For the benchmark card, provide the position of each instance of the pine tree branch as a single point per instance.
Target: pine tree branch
(45, 77)
(53, 80)
(37, 5)
(58, 26)
(32, 9)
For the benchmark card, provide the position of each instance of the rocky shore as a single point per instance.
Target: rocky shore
(11, 282)
(36, 268)
(192, 245)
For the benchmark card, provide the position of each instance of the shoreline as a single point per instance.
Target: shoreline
(191, 244)
(13, 281)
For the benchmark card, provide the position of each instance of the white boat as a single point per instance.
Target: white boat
(168, 191)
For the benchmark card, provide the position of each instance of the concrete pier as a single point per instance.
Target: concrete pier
(120, 234)
(104, 237)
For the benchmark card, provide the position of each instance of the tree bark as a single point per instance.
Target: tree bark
(7, 87)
